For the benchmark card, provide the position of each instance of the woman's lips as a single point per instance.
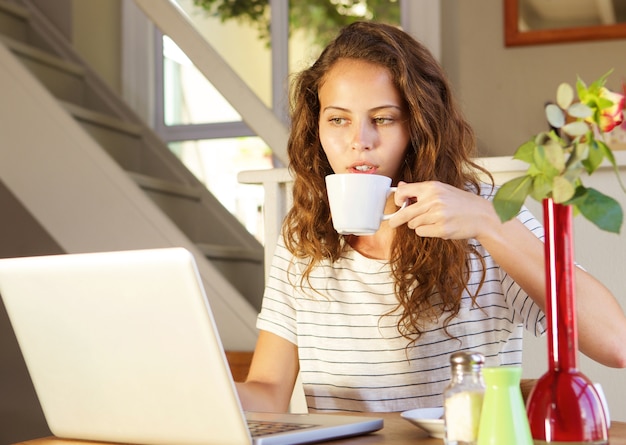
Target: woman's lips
(362, 168)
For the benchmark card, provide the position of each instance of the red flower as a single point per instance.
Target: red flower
(611, 116)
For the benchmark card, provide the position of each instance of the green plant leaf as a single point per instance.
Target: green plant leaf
(602, 210)
(603, 103)
(580, 111)
(525, 152)
(609, 155)
(562, 190)
(555, 116)
(581, 90)
(550, 158)
(575, 129)
(578, 154)
(510, 197)
(594, 158)
(599, 83)
(564, 95)
(573, 172)
(541, 187)
(534, 171)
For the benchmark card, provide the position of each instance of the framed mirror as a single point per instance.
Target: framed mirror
(535, 22)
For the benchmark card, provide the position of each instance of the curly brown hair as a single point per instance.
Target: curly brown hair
(430, 274)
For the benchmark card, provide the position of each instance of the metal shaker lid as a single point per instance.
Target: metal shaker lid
(468, 361)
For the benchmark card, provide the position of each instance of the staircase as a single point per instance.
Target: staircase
(97, 178)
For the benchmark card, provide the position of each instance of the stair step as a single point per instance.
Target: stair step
(166, 187)
(189, 192)
(64, 79)
(13, 20)
(122, 140)
(44, 57)
(102, 119)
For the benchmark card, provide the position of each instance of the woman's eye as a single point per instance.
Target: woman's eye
(382, 120)
(337, 120)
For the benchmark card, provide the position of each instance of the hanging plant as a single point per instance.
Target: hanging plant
(320, 18)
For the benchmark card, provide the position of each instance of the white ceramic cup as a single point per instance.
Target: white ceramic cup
(357, 202)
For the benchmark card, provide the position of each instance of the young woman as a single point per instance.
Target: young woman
(370, 321)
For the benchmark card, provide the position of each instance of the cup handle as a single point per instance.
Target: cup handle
(404, 204)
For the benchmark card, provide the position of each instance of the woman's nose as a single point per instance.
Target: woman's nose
(363, 137)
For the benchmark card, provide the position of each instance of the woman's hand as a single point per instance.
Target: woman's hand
(443, 211)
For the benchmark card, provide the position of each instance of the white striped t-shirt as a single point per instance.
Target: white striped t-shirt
(352, 357)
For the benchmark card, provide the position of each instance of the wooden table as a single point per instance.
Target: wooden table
(397, 431)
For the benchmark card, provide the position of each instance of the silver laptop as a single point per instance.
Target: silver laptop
(122, 347)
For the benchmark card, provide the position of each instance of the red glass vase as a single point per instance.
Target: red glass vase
(564, 407)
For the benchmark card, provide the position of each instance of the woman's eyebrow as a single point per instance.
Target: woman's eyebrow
(334, 107)
(381, 107)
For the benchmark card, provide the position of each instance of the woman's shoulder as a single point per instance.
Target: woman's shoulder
(483, 189)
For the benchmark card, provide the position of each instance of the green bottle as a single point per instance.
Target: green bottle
(503, 419)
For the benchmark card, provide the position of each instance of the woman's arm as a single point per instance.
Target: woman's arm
(600, 319)
(272, 375)
(447, 212)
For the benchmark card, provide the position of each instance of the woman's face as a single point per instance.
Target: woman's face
(363, 123)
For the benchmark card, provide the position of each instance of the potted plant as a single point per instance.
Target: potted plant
(564, 406)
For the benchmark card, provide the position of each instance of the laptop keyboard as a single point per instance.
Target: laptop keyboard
(263, 428)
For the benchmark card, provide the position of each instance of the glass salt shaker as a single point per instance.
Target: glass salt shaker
(463, 398)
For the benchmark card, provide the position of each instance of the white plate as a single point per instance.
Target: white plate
(428, 419)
